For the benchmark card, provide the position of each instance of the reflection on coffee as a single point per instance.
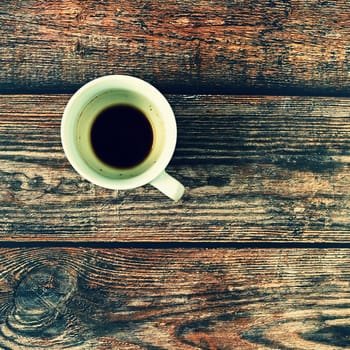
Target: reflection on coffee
(121, 136)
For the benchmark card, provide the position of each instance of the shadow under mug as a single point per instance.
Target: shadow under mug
(112, 90)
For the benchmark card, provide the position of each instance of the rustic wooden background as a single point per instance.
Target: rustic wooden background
(257, 253)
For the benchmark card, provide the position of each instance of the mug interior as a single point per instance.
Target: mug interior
(113, 98)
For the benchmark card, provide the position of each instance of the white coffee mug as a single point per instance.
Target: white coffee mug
(112, 90)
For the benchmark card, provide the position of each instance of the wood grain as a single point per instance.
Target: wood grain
(267, 171)
(174, 299)
(273, 169)
(275, 46)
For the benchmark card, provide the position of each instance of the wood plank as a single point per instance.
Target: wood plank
(224, 46)
(174, 299)
(272, 169)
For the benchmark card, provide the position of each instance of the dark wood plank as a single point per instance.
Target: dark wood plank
(255, 169)
(174, 299)
(227, 46)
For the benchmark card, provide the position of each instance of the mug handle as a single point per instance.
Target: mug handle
(168, 185)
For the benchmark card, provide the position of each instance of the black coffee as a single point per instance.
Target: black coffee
(121, 136)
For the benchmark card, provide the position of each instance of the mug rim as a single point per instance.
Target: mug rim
(71, 115)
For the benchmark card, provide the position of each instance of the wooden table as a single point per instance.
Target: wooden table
(256, 254)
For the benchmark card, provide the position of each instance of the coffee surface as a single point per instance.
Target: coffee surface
(121, 136)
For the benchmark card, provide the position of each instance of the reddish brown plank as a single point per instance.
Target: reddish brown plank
(174, 299)
(273, 169)
(227, 46)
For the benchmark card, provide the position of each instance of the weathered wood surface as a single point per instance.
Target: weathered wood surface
(174, 299)
(263, 170)
(272, 169)
(189, 45)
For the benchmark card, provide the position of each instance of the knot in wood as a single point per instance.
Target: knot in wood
(40, 300)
